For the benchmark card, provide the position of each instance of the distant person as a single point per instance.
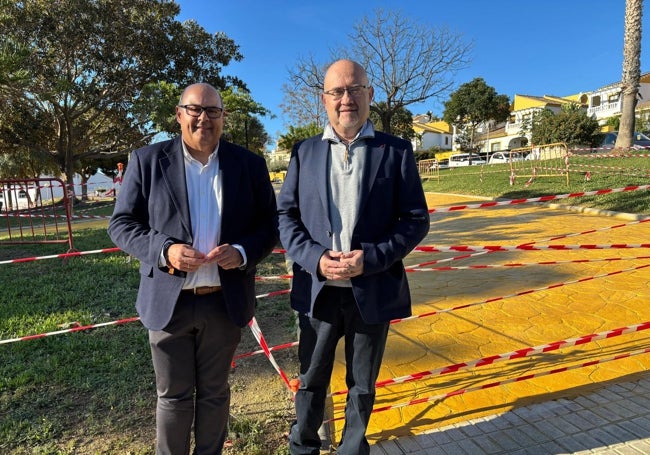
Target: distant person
(200, 214)
(350, 209)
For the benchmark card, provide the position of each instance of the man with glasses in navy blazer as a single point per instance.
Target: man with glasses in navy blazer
(199, 213)
(350, 209)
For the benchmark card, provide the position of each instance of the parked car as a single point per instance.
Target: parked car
(463, 159)
(505, 157)
(639, 141)
(442, 164)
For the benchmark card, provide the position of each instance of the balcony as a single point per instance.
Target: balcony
(605, 110)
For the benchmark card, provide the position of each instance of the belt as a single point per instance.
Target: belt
(203, 290)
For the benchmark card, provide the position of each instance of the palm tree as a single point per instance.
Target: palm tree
(631, 71)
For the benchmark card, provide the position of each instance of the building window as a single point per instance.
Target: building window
(613, 98)
(595, 101)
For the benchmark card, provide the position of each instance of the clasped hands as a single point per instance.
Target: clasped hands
(188, 259)
(336, 265)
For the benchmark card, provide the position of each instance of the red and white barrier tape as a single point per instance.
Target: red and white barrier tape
(271, 348)
(254, 327)
(78, 328)
(395, 321)
(532, 177)
(522, 264)
(273, 277)
(518, 294)
(257, 333)
(594, 149)
(41, 215)
(443, 396)
(527, 247)
(518, 354)
(274, 293)
(549, 239)
(539, 199)
(596, 168)
(60, 256)
(591, 231)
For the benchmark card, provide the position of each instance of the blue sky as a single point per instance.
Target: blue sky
(543, 47)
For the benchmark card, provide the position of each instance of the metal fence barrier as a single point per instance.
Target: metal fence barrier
(35, 211)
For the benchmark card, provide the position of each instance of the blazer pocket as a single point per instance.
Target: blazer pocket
(146, 270)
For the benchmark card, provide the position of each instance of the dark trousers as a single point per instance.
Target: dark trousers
(192, 358)
(336, 315)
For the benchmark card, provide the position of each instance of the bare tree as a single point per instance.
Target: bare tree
(302, 104)
(407, 62)
(631, 72)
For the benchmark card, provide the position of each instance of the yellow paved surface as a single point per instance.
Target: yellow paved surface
(508, 309)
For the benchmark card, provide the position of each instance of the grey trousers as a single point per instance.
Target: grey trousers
(192, 358)
(335, 316)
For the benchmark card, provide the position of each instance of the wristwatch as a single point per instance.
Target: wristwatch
(165, 249)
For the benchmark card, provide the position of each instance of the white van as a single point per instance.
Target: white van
(462, 159)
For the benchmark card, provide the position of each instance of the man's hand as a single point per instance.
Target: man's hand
(185, 258)
(226, 255)
(335, 265)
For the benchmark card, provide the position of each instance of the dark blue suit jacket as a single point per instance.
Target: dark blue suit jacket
(152, 207)
(393, 219)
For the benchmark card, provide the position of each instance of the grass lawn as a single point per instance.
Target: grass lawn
(93, 391)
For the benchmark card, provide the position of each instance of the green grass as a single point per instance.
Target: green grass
(493, 181)
(93, 392)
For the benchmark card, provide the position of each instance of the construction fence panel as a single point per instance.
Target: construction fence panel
(35, 211)
(548, 160)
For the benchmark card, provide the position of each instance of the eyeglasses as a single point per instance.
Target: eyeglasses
(337, 93)
(194, 110)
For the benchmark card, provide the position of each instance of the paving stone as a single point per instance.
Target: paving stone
(391, 448)
(549, 430)
(618, 432)
(439, 438)
(520, 437)
(409, 445)
(614, 420)
(576, 443)
(472, 430)
(487, 445)
(504, 440)
(565, 426)
(602, 436)
(453, 449)
(579, 421)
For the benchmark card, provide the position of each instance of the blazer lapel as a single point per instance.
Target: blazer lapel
(173, 171)
(320, 155)
(230, 175)
(374, 151)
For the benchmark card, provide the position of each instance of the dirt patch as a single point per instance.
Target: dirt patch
(262, 408)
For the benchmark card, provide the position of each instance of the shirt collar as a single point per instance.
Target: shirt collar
(188, 157)
(366, 131)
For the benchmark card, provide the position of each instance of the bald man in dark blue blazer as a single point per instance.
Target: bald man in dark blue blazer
(351, 208)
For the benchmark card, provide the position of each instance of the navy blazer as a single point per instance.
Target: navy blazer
(393, 219)
(152, 207)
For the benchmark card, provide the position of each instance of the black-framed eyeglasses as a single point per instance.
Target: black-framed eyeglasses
(195, 110)
(337, 93)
